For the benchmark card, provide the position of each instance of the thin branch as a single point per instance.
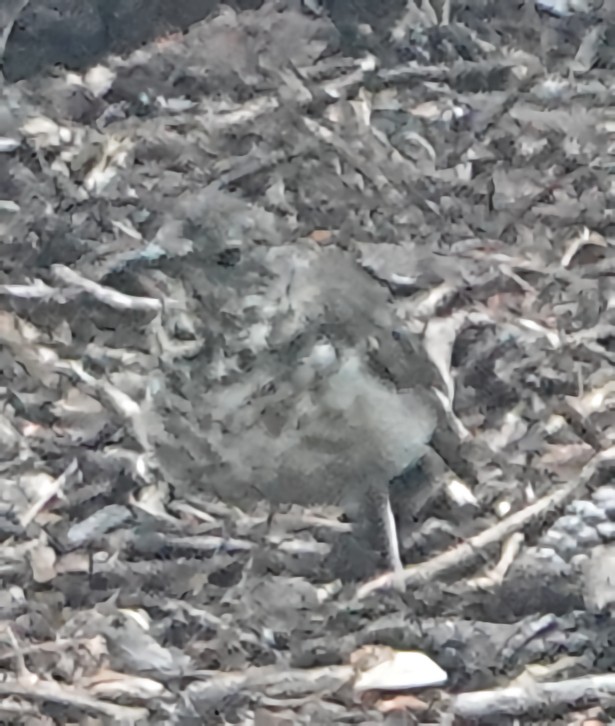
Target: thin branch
(467, 552)
(495, 576)
(521, 700)
(64, 695)
(106, 295)
(32, 512)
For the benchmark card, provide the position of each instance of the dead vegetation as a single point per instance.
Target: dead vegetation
(172, 223)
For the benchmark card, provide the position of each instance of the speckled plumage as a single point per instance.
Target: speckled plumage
(331, 407)
(327, 442)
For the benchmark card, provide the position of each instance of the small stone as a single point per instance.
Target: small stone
(609, 510)
(550, 555)
(551, 539)
(587, 536)
(565, 545)
(569, 523)
(604, 494)
(589, 512)
(606, 530)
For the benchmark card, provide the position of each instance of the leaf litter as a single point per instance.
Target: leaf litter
(196, 231)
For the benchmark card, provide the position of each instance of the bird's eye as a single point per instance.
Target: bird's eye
(268, 388)
(396, 335)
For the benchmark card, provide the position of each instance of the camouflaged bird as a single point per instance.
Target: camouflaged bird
(333, 405)
(332, 433)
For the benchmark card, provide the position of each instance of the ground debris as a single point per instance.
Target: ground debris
(384, 249)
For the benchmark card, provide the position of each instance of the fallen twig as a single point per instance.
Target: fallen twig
(117, 400)
(106, 295)
(519, 700)
(273, 681)
(495, 576)
(64, 695)
(468, 551)
(36, 290)
(30, 514)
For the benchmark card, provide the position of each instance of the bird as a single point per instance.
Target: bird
(332, 401)
(333, 432)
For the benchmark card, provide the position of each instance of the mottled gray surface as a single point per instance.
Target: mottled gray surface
(586, 523)
(260, 220)
(78, 33)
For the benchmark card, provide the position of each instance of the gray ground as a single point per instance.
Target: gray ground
(254, 280)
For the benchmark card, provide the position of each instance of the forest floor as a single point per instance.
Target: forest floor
(153, 210)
